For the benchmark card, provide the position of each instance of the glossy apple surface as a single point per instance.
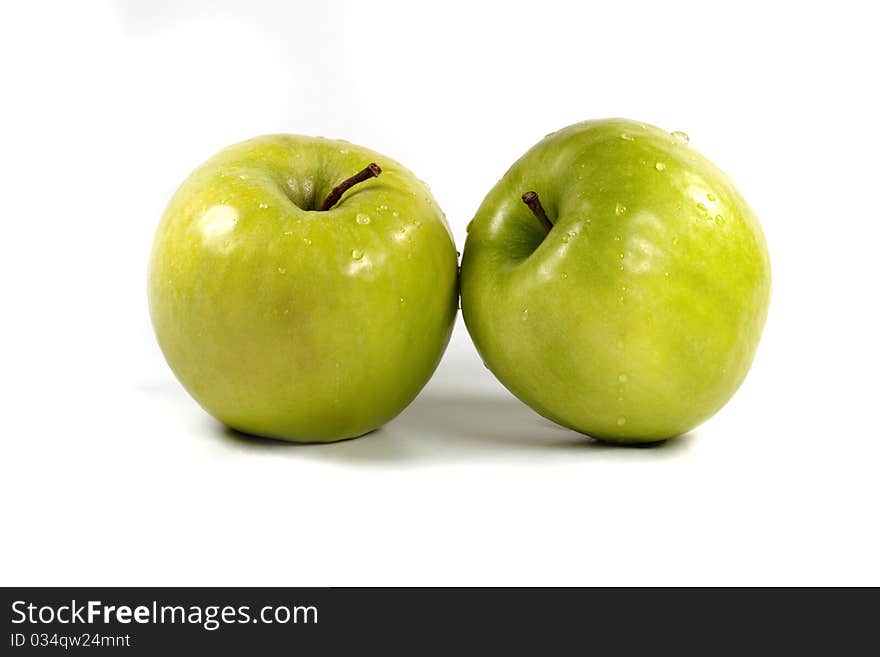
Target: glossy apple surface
(637, 316)
(289, 322)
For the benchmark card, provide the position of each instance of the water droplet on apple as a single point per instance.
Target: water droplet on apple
(710, 196)
(617, 238)
(263, 206)
(674, 241)
(458, 254)
(287, 233)
(681, 136)
(357, 254)
(659, 166)
(620, 209)
(383, 207)
(282, 270)
(417, 223)
(567, 237)
(307, 241)
(395, 214)
(243, 176)
(362, 219)
(622, 377)
(564, 275)
(525, 315)
(666, 274)
(702, 208)
(621, 421)
(719, 218)
(626, 136)
(469, 226)
(402, 301)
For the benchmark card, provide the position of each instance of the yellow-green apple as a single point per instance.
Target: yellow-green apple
(298, 294)
(616, 281)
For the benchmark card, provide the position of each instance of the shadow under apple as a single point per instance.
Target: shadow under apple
(445, 426)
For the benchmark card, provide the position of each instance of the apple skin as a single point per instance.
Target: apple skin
(291, 323)
(638, 315)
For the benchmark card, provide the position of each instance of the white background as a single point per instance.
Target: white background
(111, 475)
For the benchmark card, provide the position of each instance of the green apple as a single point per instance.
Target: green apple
(617, 282)
(296, 295)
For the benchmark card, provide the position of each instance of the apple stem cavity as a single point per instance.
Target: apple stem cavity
(531, 199)
(370, 171)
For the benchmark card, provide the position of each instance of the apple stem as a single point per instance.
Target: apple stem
(370, 171)
(531, 199)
